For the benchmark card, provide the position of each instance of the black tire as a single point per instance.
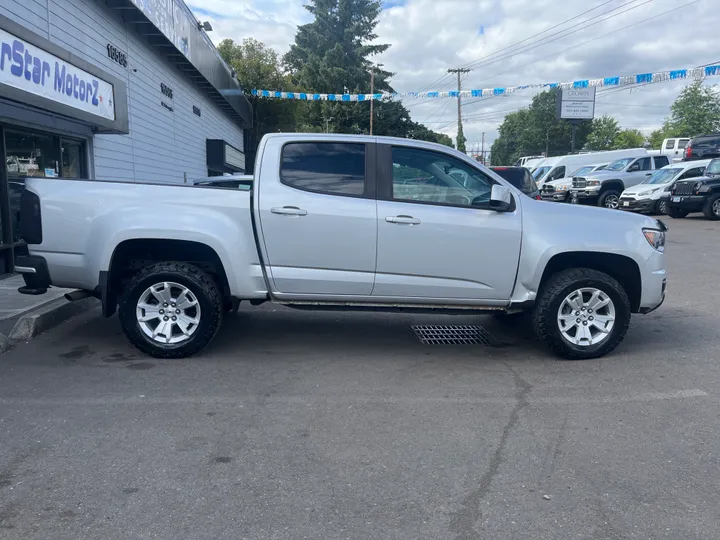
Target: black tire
(711, 208)
(553, 293)
(609, 196)
(676, 213)
(662, 207)
(202, 286)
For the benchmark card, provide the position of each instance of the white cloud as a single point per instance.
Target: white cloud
(430, 36)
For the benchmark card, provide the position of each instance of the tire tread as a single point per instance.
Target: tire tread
(191, 272)
(541, 319)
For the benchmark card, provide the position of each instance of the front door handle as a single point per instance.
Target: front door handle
(403, 220)
(289, 211)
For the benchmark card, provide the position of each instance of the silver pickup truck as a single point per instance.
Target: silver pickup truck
(343, 222)
(604, 187)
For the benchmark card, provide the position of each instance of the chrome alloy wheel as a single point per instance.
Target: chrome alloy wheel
(612, 202)
(586, 317)
(716, 207)
(168, 312)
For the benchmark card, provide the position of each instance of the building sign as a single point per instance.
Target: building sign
(577, 104)
(30, 69)
(116, 54)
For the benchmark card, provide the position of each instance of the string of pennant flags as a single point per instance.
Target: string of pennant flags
(619, 81)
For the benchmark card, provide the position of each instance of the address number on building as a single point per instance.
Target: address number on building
(116, 54)
(166, 90)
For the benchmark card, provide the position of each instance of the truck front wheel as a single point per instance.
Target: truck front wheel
(581, 314)
(609, 199)
(711, 208)
(171, 310)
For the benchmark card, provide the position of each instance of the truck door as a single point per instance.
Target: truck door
(318, 219)
(437, 237)
(638, 171)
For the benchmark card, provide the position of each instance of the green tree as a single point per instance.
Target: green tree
(332, 55)
(603, 132)
(629, 138)
(656, 138)
(695, 111)
(258, 67)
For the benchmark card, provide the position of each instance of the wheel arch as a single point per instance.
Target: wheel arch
(132, 255)
(612, 185)
(621, 267)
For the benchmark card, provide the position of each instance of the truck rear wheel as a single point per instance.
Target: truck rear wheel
(171, 310)
(581, 314)
(711, 209)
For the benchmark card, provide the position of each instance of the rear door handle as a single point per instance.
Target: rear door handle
(403, 220)
(289, 211)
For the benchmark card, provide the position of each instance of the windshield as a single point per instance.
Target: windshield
(714, 167)
(540, 172)
(583, 170)
(663, 176)
(620, 164)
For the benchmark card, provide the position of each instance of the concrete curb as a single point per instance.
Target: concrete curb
(44, 318)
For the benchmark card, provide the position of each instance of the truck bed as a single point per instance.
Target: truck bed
(84, 220)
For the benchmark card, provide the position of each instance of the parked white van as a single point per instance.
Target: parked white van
(542, 168)
(522, 162)
(566, 165)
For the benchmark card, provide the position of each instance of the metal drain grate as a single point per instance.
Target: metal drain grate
(453, 335)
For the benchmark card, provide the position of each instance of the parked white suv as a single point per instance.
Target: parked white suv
(653, 194)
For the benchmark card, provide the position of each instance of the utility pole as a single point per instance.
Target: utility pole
(547, 143)
(461, 135)
(482, 152)
(372, 91)
(327, 124)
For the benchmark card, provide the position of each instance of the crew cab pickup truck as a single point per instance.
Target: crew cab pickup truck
(342, 222)
(604, 187)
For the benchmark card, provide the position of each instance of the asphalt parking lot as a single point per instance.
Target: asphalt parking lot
(300, 425)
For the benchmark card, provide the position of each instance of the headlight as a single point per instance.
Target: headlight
(564, 187)
(593, 183)
(651, 191)
(697, 186)
(655, 238)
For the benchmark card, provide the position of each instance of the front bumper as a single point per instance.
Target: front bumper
(555, 196)
(638, 205)
(650, 309)
(35, 272)
(691, 203)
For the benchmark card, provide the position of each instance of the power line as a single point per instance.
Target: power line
(554, 53)
(505, 52)
(446, 75)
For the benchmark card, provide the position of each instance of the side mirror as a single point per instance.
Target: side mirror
(634, 168)
(501, 198)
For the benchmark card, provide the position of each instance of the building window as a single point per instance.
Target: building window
(25, 154)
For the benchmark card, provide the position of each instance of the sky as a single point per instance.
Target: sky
(509, 43)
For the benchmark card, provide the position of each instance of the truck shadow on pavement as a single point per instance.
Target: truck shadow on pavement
(259, 333)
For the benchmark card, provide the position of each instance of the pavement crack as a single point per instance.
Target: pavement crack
(463, 522)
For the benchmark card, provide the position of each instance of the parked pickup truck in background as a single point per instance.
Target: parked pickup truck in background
(604, 187)
(344, 222)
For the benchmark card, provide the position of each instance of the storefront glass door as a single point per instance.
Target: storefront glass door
(26, 154)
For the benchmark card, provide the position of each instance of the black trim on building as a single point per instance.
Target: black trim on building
(206, 69)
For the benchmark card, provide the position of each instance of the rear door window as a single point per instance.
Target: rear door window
(661, 161)
(324, 167)
(682, 143)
